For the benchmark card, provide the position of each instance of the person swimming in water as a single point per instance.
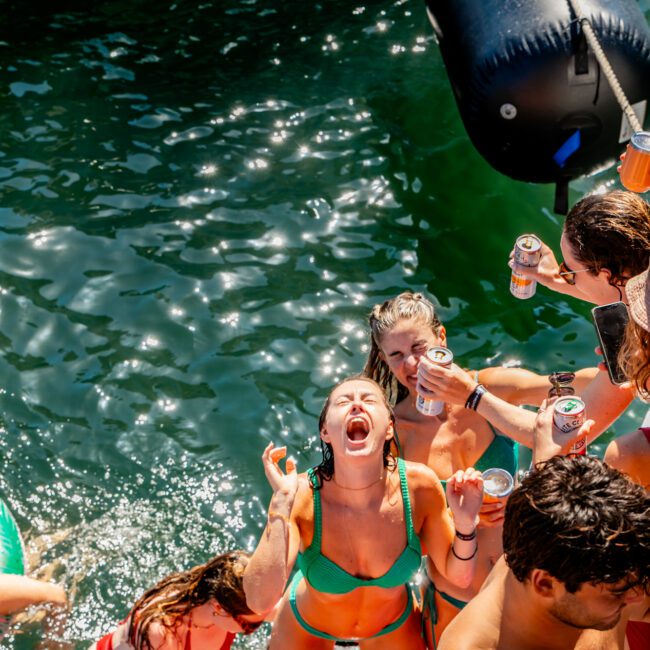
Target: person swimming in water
(355, 525)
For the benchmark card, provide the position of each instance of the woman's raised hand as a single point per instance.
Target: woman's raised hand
(281, 482)
(465, 497)
(549, 441)
(547, 272)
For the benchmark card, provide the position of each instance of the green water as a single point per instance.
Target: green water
(201, 202)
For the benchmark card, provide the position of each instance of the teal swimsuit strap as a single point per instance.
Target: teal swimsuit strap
(429, 604)
(408, 513)
(318, 520)
(324, 635)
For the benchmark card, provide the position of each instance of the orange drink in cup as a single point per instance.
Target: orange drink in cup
(635, 170)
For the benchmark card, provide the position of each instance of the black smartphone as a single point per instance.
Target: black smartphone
(611, 321)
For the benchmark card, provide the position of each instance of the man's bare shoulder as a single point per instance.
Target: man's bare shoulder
(477, 626)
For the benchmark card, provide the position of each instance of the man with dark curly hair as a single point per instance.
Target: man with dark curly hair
(576, 564)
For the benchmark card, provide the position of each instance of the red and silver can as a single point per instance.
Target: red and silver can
(528, 252)
(426, 406)
(498, 483)
(568, 415)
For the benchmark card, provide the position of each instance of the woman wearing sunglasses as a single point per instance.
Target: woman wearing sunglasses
(605, 241)
(199, 609)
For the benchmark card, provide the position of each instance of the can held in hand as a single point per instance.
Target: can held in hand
(528, 252)
(498, 483)
(426, 406)
(568, 415)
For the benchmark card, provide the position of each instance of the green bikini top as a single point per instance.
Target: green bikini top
(327, 577)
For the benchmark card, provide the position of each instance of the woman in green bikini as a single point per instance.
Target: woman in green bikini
(402, 330)
(354, 525)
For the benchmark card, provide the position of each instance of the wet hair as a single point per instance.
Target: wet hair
(382, 319)
(634, 358)
(581, 521)
(325, 470)
(173, 597)
(611, 231)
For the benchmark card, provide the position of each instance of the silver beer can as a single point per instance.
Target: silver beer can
(426, 406)
(498, 483)
(568, 415)
(528, 252)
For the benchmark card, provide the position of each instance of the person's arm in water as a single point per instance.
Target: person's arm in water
(18, 592)
(269, 567)
(450, 540)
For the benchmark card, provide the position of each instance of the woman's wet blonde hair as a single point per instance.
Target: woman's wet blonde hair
(382, 319)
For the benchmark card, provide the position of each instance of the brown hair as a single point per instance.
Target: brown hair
(173, 597)
(382, 319)
(581, 521)
(634, 358)
(611, 231)
(325, 470)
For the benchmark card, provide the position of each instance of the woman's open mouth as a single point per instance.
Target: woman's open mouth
(357, 429)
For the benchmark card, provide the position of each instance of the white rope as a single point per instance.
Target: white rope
(606, 67)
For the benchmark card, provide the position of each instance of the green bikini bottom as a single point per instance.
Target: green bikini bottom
(324, 635)
(429, 604)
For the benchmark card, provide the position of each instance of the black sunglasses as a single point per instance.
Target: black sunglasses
(569, 275)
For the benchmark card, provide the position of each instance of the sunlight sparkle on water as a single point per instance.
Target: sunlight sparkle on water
(149, 342)
(167, 405)
(258, 163)
(208, 170)
(231, 319)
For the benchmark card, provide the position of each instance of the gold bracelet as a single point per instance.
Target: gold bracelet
(279, 515)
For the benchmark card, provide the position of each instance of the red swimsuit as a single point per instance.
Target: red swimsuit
(106, 642)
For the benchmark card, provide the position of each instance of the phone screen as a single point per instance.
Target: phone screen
(611, 321)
